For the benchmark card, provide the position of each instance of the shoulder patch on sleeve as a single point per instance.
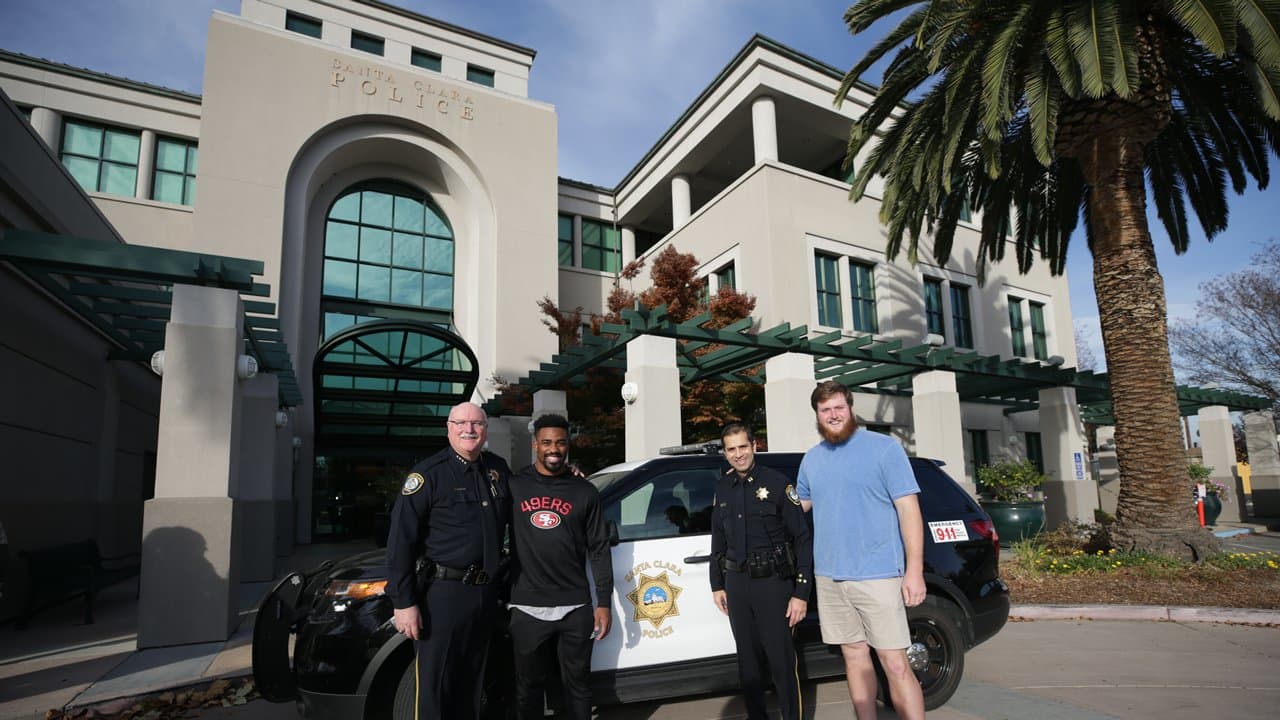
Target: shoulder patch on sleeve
(412, 484)
(792, 495)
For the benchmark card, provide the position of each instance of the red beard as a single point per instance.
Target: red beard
(838, 437)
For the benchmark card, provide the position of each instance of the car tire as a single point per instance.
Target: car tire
(935, 624)
(403, 705)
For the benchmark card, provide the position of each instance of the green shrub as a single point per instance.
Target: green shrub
(1010, 481)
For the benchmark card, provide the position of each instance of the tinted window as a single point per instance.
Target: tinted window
(676, 502)
(940, 497)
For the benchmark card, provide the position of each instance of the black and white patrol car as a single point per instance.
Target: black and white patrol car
(668, 638)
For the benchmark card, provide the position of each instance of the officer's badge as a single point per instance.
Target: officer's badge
(792, 495)
(762, 493)
(655, 599)
(412, 484)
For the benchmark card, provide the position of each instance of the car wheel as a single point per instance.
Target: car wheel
(937, 650)
(403, 705)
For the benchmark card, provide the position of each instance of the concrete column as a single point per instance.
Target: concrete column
(255, 486)
(653, 420)
(764, 129)
(146, 164)
(499, 441)
(1108, 469)
(681, 204)
(1068, 493)
(521, 440)
(283, 493)
(628, 244)
(577, 241)
(190, 537)
(48, 125)
(1264, 463)
(1218, 448)
(788, 384)
(550, 401)
(108, 514)
(935, 415)
(304, 471)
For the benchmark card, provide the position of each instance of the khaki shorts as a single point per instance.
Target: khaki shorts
(871, 611)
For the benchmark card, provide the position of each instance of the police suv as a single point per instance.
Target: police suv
(668, 637)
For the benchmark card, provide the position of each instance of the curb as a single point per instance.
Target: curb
(1241, 616)
(1235, 532)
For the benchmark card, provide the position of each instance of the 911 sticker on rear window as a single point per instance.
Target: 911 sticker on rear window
(948, 531)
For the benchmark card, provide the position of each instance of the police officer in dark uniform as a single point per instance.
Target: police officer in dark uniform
(443, 555)
(761, 570)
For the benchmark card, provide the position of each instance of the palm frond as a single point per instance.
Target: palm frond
(1211, 22)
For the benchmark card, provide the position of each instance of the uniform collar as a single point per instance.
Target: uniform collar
(745, 479)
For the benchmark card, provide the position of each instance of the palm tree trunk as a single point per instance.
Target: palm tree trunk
(1155, 512)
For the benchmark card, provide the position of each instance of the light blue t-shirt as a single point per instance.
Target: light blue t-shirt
(853, 486)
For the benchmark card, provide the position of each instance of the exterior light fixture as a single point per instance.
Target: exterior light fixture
(297, 442)
(246, 367)
(935, 340)
(1056, 360)
(282, 418)
(630, 391)
(157, 362)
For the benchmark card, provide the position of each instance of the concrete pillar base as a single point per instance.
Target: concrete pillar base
(189, 575)
(1266, 499)
(284, 528)
(1073, 500)
(258, 537)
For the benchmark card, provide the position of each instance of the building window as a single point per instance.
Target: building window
(302, 24)
(101, 158)
(933, 307)
(978, 455)
(961, 323)
(424, 59)
(388, 244)
(479, 75)
(864, 297)
(565, 240)
(371, 44)
(1015, 327)
(601, 246)
(174, 180)
(1039, 338)
(1035, 450)
(826, 270)
(726, 277)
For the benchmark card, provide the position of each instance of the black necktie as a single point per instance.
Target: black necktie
(488, 523)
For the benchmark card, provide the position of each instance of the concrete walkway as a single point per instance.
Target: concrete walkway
(58, 663)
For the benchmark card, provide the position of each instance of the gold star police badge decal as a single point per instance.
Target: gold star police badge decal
(655, 599)
(762, 493)
(412, 484)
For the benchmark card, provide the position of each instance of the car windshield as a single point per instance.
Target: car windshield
(603, 481)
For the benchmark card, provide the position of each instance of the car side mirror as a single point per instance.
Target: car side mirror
(612, 529)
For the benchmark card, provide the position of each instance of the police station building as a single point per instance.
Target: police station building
(229, 315)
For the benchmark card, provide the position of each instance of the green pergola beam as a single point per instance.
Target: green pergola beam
(67, 254)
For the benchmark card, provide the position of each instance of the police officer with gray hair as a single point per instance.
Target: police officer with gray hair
(761, 570)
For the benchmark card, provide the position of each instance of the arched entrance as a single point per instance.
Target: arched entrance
(388, 366)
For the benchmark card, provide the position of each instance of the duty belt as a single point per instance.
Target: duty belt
(472, 575)
(731, 566)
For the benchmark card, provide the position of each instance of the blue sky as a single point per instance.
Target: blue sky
(619, 73)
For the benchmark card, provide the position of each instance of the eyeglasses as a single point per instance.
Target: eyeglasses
(465, 423)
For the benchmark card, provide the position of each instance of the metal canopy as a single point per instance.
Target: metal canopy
(390, 383)
(862, 363)
(124, 291)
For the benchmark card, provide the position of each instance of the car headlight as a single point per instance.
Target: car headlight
(347, 590)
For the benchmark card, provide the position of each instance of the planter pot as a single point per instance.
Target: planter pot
(1212, 509)
(1015, 520)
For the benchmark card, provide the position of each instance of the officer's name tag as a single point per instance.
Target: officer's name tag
(948, 531)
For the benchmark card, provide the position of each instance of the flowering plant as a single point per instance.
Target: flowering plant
(1010, 481)
(1199, 475)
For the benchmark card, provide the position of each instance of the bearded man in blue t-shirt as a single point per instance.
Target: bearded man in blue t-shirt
(868, 549)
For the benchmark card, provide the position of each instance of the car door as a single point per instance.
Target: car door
(662, 605)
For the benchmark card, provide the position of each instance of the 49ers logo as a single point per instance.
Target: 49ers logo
(544, 519)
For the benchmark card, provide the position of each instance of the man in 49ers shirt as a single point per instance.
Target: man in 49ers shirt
(557, 524)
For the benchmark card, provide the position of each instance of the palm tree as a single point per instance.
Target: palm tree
(1039, 111)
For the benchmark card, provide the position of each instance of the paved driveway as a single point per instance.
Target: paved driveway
(1078, 670)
